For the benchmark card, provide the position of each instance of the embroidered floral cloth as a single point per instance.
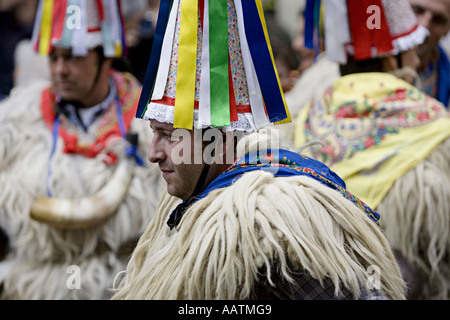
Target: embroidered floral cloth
(374, 128)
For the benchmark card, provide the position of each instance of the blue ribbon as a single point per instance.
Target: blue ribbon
(152, 67)
(262, 60)
(443, 94)
(130, 150)
(55, 133)
(309, 24)
(312, 26)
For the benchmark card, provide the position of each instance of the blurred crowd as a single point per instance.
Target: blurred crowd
(20, 65)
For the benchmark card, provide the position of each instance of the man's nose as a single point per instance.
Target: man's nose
(60, 66)
(155, 153)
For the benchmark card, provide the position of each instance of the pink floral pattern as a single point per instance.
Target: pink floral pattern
(357, 125)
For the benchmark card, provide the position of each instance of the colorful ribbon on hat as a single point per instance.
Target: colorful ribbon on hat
(65, 22)
(262, 55)
(43, 27)
(165, 7)
(187, 65)
(366, 39)
(218, 67)
(312, 25)
(111, 27)
(214, 17)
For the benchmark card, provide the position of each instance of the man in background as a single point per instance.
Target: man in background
(434, 70)
(76, 194)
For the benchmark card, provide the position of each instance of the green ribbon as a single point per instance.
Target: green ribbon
(218, 46)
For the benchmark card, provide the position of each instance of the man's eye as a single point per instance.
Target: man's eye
(418, 10)
(440, 20)
(168, 135)
(174, 137)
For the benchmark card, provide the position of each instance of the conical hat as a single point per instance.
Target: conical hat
(212, 65)
(80, 25)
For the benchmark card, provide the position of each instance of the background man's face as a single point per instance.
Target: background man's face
(435, 16)
(73, 77)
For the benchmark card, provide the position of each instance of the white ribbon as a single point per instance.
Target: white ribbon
(204, 109)
(116, 25)
(254, 91)
(166, 54)
(336, 29)
(37, 23)
(79, 39)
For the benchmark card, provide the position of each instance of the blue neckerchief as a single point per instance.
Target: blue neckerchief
(281, 163)
(443, 94)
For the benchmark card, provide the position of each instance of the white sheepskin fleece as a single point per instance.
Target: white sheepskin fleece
(224, 239)
(416, 218)
(39, 261)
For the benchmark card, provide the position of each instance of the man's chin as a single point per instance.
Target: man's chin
(175, 192)
(66, 92)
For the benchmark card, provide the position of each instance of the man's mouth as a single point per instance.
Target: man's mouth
(65, 85)
(166, 173)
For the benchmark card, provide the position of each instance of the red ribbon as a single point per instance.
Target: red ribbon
(59, 19)
(233, 109)
(365, 38)
(101, 10)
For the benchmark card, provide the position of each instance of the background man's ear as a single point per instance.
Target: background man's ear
(390, 63)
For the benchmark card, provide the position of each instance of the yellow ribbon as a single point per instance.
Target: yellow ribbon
(187, 63)
(118, 49)
(46, 27)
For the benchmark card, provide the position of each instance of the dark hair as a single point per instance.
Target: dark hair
(280, 42)
(101, 60)
(360, 66)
